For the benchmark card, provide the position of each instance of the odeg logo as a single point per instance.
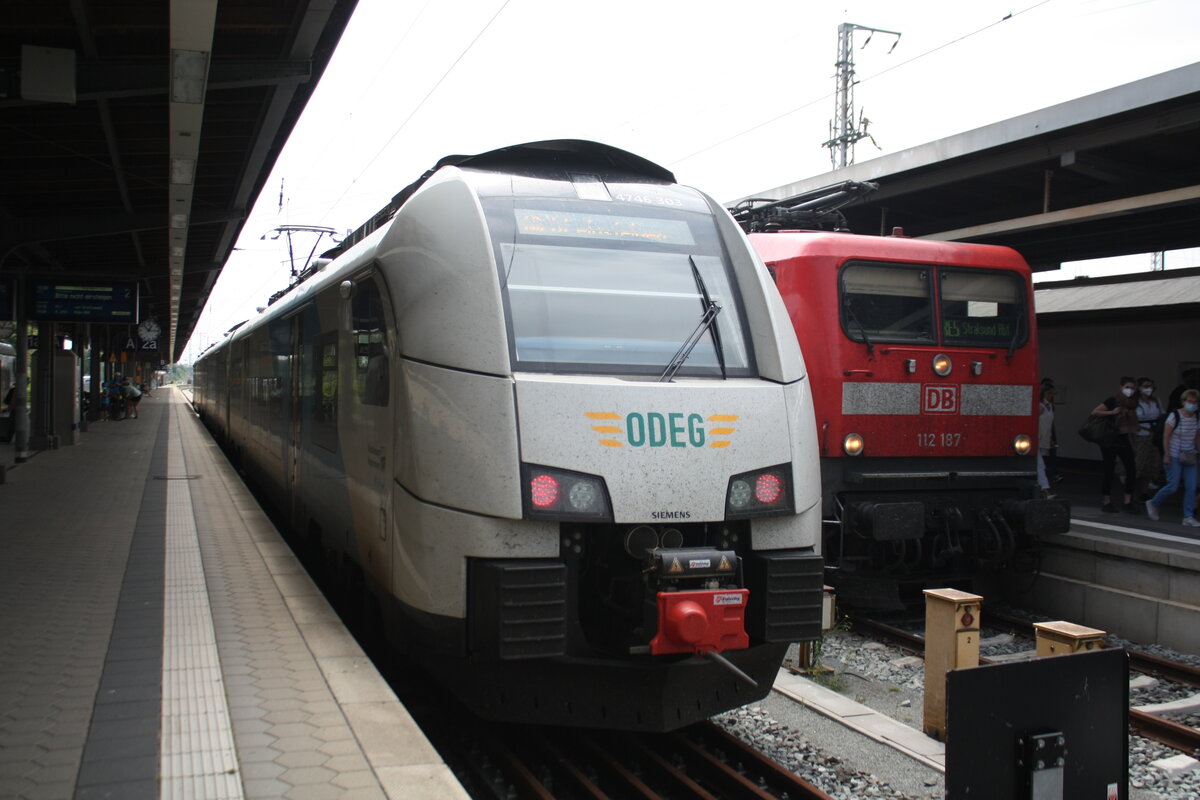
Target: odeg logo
(657, 429)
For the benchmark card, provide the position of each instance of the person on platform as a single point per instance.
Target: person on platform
(1051, 452)
(1179, 457)
(1122, 407)
(1045, 437)
(116, 399)
(133, 396)
(1146, 451)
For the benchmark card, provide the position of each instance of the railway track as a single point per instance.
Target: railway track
(701, 761)
(514, 762)
(1152, 726)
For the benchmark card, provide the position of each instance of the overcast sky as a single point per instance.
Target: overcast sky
(733, 98)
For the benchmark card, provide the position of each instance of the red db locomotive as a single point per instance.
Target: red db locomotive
(923, 362)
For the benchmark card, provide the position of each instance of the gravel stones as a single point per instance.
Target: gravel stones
(894, 684)
(793, 750)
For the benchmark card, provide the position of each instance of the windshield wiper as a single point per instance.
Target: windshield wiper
(1012, 344)
(861, 328)
(711, 310)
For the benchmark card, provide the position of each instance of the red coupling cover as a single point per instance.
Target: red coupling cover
(693, 622)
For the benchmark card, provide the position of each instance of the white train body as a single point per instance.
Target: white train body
(472, 406)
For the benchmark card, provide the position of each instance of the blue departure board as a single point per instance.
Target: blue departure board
(77, 301)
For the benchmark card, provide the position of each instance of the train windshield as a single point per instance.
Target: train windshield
(896, 303)
(609, 287)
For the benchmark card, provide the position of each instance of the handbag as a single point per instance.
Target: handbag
(1187, 458)
(1099, 430)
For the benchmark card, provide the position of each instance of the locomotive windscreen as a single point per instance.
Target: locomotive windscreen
(981, 308)
(896, 303)
(615, 287)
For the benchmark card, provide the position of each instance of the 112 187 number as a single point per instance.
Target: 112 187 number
(939, 439)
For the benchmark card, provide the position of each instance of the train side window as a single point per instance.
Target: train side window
(887, 303)
(324, 423)
(369, 334)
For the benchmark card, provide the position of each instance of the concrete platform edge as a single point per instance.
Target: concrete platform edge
(407, 766)
(867, 721)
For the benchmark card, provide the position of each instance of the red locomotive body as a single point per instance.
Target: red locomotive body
(924, 367)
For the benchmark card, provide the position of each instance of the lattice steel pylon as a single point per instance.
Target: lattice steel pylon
(843, 130)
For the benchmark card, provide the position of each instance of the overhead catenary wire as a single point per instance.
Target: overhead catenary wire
(366, 91)
(418, 107)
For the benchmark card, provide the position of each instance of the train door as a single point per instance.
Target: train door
(367, 422)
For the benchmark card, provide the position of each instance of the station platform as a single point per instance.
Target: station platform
(160, 640)
(1122, 573)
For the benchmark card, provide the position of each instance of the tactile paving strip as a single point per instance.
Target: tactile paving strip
(198, 755)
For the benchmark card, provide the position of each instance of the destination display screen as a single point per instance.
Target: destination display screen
(541, 222)
(75, 301)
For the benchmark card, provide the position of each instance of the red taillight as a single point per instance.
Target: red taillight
(763, 491)
(543, 490)
(768, 488)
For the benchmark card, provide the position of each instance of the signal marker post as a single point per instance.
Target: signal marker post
(951, 642)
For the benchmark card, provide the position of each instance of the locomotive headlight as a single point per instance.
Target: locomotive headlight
(1023, 445)
(942, 364)
(739, 494)
(559, 494)
(583, 496)
(852, 444)
(759, 493)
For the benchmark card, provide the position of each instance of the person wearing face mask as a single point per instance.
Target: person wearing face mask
(1045, 439)
(1123, 409)
(1179, 456)
(1050, 454)
(1146, 452)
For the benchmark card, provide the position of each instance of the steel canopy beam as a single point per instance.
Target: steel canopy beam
(1067, 216)
(104, 79)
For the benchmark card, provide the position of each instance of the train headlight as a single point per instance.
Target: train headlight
(559, 494)
(1023, 445)
(853, 444)
(942, 364)
(758, 493)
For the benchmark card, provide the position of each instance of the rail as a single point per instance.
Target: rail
(1151, 726)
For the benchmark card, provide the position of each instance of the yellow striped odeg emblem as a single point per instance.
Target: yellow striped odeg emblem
(603, 425)
(602, 416)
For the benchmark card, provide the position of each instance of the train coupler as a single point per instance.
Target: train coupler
(695, 622)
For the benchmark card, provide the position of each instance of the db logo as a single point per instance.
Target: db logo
(939, 399)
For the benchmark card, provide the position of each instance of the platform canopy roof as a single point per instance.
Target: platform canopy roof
(1169, 294)
(136, 134)
(1108, 174)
